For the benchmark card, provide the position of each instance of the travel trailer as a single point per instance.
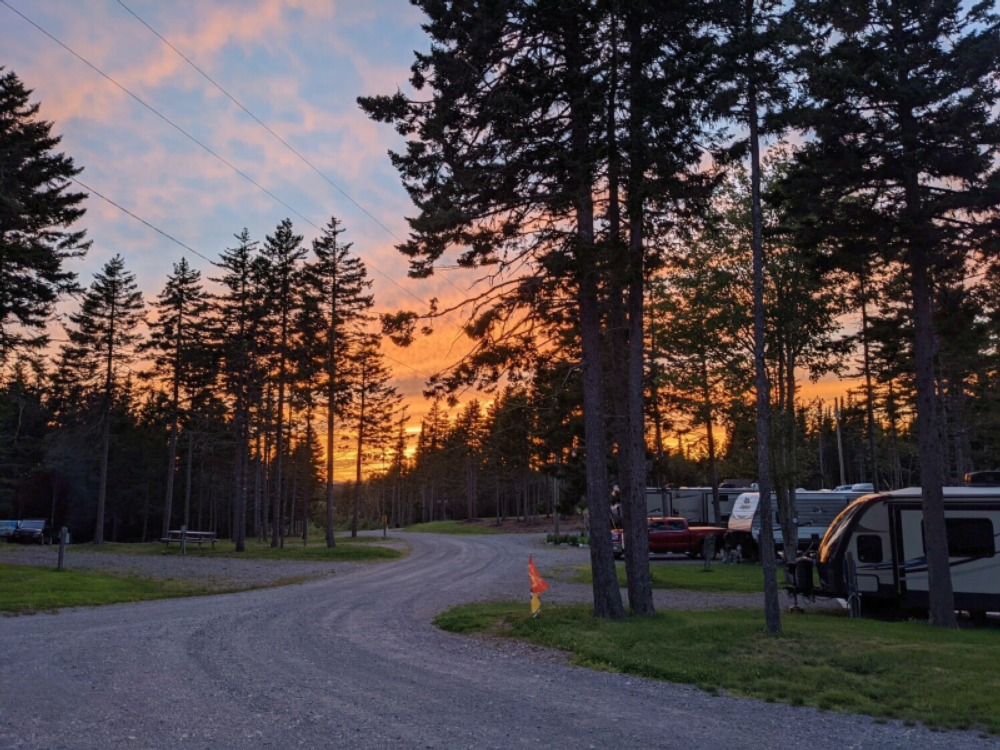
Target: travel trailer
(884, 535)
(816, 511)
(692, 503)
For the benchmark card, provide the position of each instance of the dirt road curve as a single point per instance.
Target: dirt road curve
(353, 661)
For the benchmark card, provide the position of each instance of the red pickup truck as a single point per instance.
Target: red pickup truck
(672, 535)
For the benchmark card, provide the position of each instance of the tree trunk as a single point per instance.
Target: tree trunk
(276, 531)
(772, 608)
(175, 409)
(941, 596)
(330, 539)
(168, 500)
(187, 485)
(869, 391)
(102, 487)
(357, 467)
(713, 467)
(790, 519)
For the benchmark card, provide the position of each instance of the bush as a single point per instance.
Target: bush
(572, 539)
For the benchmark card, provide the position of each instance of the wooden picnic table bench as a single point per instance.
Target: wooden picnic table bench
(190, 537)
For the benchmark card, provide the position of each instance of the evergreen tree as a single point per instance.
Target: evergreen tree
(370, 411)
(237, 312)
(336, 307)
(757, 43)
(102, 342)
(177, 339)
(466, 443)
(504, 160)
(903, 103)
(281, 276)
(36, 213)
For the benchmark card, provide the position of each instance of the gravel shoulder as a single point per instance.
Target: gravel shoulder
(214, 573)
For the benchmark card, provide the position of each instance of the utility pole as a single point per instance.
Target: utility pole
(840, 441)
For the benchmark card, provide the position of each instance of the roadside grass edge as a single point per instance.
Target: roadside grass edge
(900, 670)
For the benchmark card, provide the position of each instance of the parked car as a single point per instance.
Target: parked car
(671, 535)
(7, 529)
(33, 531)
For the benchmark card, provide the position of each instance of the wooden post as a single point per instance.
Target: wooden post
(184, 530)
(63, 533)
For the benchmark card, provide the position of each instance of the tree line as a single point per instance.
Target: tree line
(650, 262)
(217, 409)
(582, 154)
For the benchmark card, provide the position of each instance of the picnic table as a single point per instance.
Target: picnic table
(190, 537)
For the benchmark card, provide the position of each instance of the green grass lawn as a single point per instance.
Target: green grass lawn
(452, 527)
(25, 589)
(359, 549)
(907, 671)
(719, 579)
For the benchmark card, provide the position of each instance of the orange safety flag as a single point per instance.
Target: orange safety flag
(538, 585)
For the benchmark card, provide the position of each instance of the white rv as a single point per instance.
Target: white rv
(816, 511)
(692, 503)
(884, 534)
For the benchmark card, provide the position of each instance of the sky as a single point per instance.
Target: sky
(298, 66)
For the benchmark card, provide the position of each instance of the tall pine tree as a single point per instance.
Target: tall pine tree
(279, 266)
(903, 101)
(102, 342)
(37, 211)
(336, 306)
(177, 339)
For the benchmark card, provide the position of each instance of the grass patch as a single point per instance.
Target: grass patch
(910, 671)
(347, 549)
(719, 579)
(452, 527)
(24, 590)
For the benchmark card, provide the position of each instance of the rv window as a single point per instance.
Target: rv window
(968, 537)
(869, 548)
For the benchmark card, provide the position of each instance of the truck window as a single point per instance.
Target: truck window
(676, 526)
(968, 537)
(869, 548)
(656, 526)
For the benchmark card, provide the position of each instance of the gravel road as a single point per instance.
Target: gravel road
(353, 661)
(215, 573)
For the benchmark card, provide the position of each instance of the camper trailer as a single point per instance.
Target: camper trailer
(692, 503)
(884, 535)
(816, 511)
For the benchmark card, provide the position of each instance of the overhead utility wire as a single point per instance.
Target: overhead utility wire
(141, 220)
(181, 130)
(283, 142)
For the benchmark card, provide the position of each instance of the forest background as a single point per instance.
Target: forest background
(513, 451)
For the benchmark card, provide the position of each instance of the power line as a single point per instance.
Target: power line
(141, 220)
(181, 130)
(260, 122)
